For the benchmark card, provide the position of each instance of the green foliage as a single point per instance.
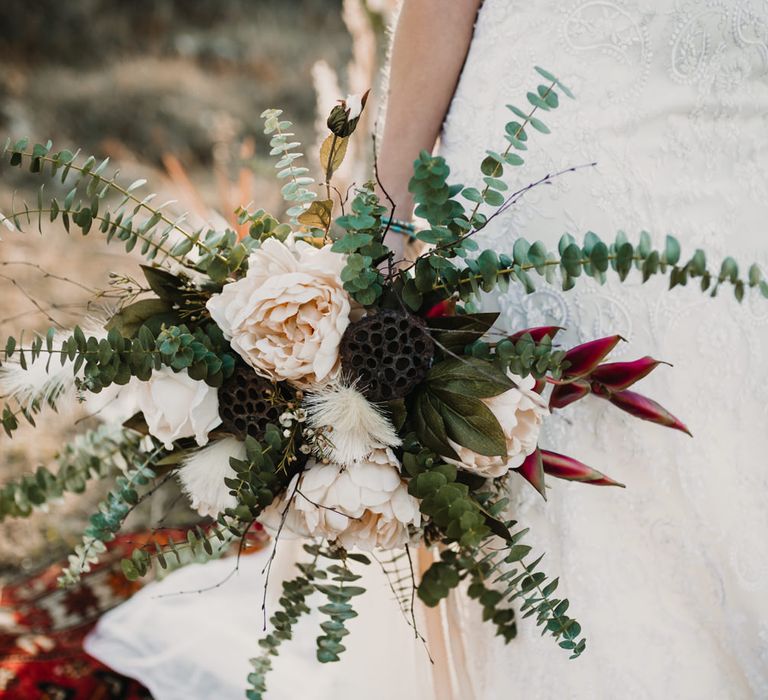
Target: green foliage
(523, 356)
(363, 245)
(133, 220)
(98, 453)
(262, 225)
(449, 406)
(501, 577)
(595, 258)
(200, 545)
(444, 499)
(117, 358)
(296, 190)
(333, 582)
(293, 604)
(433, 196)
(439, 580)
(339, 594)
(261, 476)
(110, 517)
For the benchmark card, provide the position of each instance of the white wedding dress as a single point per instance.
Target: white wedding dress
(669, 577)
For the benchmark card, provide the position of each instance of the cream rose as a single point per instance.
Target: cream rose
(285, 318)
(520, 412)
(176, 406)
(364, 505)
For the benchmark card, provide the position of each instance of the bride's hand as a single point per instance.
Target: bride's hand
(430, 44)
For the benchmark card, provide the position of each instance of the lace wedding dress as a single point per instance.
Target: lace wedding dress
(669, 577)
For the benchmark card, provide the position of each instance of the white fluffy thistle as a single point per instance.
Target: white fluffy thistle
(202, 476)
(38, 382)
(45, 382)
(352, 424)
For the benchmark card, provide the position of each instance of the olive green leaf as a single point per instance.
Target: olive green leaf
(470, 423)
(130, 318)
(456, 332)
(469, 376)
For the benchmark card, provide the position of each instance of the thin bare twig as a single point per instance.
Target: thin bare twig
(268, 567)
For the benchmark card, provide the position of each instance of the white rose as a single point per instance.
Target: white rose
(520, 412)
(364, 505)
(115, 404)
(177, 406)
(286, 317)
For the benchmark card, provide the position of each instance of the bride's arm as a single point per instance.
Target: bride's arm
(430, 44)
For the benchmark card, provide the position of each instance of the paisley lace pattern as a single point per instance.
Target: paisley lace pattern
(670, 576)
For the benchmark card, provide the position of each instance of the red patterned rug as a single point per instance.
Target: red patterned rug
(42, 628)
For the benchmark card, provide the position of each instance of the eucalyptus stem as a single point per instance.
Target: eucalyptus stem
(96, 217)
(498, 168)
(129, 196)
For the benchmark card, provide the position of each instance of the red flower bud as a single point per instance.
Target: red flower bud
(537, 333)
(446, 307)
(565, 394)
(533, 472)
(617, 376)
(646, 409)
(584, 358)
(571, 469)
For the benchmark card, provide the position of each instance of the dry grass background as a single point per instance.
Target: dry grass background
(136, 81)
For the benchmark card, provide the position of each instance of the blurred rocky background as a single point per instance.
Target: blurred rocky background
(171, 91)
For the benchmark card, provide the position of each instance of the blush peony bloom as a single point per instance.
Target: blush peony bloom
(177, 406)
(285, 318)
(364, 505)
(520, 412)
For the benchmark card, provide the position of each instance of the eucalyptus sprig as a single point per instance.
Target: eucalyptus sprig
(110, 517)
(134, 220)
(97, 454)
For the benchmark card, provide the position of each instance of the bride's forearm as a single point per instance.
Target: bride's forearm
(430, 44)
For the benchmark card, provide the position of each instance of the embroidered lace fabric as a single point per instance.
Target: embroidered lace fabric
(670, 576)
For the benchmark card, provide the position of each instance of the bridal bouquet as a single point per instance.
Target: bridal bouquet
(302, 378)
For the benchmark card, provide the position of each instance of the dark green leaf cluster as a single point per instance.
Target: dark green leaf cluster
(262, 225)
(503, 577)
(449, 406)
(116, 358)
(261, 476)
(434, 197)
(523, 356)
(445, 500)
(201, 352)
(362, 243)
(500, 580)
(98, 453)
